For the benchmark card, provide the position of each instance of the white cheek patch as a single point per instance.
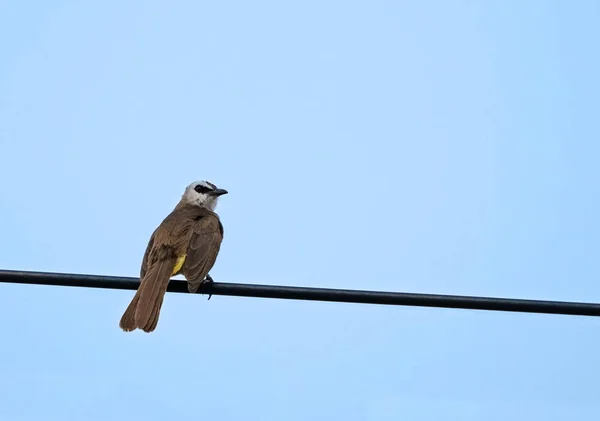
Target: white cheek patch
(211, 203)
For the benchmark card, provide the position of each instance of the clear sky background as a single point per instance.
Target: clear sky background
(419, 146)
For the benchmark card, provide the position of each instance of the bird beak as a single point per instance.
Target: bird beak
(217, 192)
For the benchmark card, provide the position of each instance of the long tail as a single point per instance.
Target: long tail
(144, 309)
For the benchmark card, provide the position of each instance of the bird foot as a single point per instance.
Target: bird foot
(208, 280)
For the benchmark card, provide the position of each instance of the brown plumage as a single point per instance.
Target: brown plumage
(192, 231)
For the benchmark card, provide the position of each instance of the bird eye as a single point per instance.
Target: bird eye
(201, 189)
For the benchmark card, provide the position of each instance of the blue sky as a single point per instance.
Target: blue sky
(420, 146)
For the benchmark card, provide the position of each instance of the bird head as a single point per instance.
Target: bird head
(203, 193)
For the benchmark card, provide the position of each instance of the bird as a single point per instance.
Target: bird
(186, 242)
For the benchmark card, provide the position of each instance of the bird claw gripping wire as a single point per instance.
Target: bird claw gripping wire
(208, 280)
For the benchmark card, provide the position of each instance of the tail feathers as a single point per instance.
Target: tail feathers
(153, 321)
(144, 310)
(127, 322)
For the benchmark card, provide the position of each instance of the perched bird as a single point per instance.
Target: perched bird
(187, 241)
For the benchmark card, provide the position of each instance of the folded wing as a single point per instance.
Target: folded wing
(202, 251)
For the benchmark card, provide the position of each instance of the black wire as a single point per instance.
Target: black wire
(313, 294)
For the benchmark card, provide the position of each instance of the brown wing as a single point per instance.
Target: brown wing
(144, 266)
(202, 251)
